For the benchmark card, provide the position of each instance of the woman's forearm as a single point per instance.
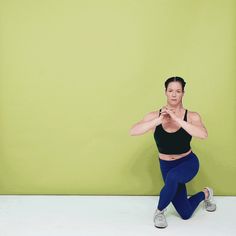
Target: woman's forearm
(144, 126)
(194, 130)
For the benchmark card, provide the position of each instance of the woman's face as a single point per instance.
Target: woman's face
(174, 93)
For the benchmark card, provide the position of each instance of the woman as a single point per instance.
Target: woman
(173, 127)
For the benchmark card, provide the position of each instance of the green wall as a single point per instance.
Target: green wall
(76, 75)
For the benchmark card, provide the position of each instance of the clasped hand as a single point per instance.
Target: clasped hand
(168, 113)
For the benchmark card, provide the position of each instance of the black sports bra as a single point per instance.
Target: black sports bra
(177, 142)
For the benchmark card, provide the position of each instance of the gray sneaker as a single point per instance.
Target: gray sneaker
(209, 202)
(159, 219)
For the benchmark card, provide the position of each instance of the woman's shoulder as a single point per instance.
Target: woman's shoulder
(151, 115)
(193, 115)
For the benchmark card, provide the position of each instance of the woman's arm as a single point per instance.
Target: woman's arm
(194, 127)
(150, 121)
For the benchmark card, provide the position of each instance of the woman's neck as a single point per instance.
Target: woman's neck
(177, 108)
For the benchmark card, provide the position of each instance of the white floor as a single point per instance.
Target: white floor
(107, 215)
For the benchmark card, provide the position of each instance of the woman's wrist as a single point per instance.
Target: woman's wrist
(158, 121)
(179, 121)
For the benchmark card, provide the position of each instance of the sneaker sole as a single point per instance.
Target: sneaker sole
(211, 210)
(160, 227)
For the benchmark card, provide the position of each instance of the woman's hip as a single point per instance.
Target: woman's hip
(187, 164)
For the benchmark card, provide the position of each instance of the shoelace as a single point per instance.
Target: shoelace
(161, 217)
(160, 212)
(208, 203)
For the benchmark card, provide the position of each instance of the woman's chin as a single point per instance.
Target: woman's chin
(173, 102)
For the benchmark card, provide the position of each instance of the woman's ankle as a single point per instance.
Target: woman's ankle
(206, 192)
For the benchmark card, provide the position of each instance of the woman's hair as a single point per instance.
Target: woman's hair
(174, 79)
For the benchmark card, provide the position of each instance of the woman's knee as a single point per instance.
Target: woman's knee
(186, 216)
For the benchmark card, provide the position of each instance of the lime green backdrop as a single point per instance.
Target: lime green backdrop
(76, 75)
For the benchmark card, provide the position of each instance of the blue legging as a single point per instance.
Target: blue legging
(175, 174)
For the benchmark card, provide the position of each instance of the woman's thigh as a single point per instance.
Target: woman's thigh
(185, 171)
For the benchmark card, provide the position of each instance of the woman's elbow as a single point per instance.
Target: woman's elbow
(133, 132)
(204, 135)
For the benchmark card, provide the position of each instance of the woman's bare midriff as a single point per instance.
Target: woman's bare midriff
(173, 157)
